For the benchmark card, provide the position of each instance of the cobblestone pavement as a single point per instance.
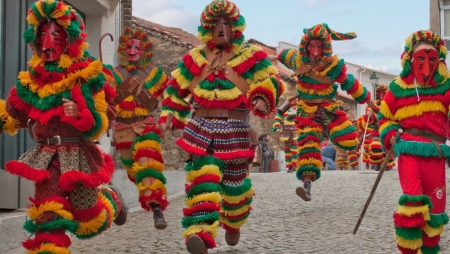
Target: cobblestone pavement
(280, 221)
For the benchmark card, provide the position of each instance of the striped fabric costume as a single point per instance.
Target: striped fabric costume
(286, 125)
(218, 135)
(317, 110)
(418, 102)
(68, 169)
(136, 133)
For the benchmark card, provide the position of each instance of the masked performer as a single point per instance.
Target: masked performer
(226, 78)
(353, 155)
(136, 133)
(68, 96)
(284, 125)
(319, 73)
(418, 102)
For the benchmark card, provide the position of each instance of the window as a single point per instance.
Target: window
(444, 6)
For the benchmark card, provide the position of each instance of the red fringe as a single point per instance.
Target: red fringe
(348, 136)
(123, 145)
(415, 220)
(190, 149)
(237, 204)
(234, 155)
(354, 87)
(25, 171)
(307, 139)
(202, 179)
(430, 241)
(229, 229)
(250, 62)
(88, 214)
(343, 75)
(191, 65)
(206, 207)
(314, 155)
(128, 105)
(85, 120)
(58, 199)
(228, 104)
(206, 238)
(60, 240)
(407, 251)
(148, 153)
(69, 179)
(318, 87)
(238, 217)
(155, 196)
(175, 106)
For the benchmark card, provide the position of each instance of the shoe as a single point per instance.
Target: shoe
(304, 193)
(121, 218)
(158, 216)
(232, 238)
(290, 170)
(326, 167)
(195, 245)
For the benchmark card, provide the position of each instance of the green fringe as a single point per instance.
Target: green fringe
(316, 96)
(203, 188)
(100, 230)
(205, 160)
(150, 173)
(148, 85)
(69, 225)
(289, 63)
(110, 198)
(210, 218)
(399, 92)
(347, 85)
(46, 252)
(240, 219)
(28, 35)
(210, 86)
(185, 113)
(411, 199)
(184, 71)
(409, 233)
(336, 70)
(342, 132)
(148, 136)
(362, 96)
(232, 208)
(313, 168)
(127, 162)
(430, 250)
(436, 220)
(233, 191)
(422, 149)
(308, 150)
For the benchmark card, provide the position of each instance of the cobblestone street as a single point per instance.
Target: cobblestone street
(280, 221)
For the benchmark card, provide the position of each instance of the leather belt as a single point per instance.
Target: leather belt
(131, 120)
(57, 140)
(428, 134)
(220, 112)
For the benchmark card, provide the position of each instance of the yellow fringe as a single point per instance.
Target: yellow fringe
(229, 94)
(49, 247)
(177, 100)
(317, 130)
(212, 229)
(181, 80)
(349, 143)
(334, 63)
(265, 73)
(235, 225)
(177, 116)
(197, 56)
(308, 146)
(51, 206)
(410, 210)
(130, 171)
(306, 108)
(10, 125)
(109, 207)
(244, 55)
(309, 161)
(333, 105)
(267, 83)
(385, 125)
(39, 8)
(443, 71)
(214, 197)
(326, 91)
(237, 199)
(342, 126)
(419, 109)
(358, 92)
(147, 144)
(205, 170)
(101, 107)
(156, 185)
(432, 232)
(32, 20)
(158, 84)
(92, 226)
(64, 61)
(384, 109)
(124, 113)
(156, 165)
(237, 211)
(409, 244)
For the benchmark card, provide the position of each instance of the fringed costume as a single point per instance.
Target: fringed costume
(342, 159)
(68, 169)
(418, 103)
(366, 124)
(223, 82)
(317, 109)
(136, 133)
(353, 155)
(286, 124)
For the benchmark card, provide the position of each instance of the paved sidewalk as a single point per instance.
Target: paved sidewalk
(280, 221)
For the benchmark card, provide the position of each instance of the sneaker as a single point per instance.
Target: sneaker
(158, 216)
(121, 218)
(304, 193)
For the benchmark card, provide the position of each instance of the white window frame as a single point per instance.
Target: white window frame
(443, 8)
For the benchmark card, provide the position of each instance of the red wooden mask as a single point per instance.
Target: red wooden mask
(134, 50)
(222, 32)
(52, 41)
(315, 49)
(425, 61)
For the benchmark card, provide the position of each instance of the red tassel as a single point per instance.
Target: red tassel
(25, 171)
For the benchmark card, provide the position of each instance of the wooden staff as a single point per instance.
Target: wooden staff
(101, 59)
(375, 185)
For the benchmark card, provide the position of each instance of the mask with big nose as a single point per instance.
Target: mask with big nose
(424, 62)
(52, 41)
(315, 49)
(134, 50)
(222, 32)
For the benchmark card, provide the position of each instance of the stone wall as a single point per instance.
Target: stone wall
(127, 13)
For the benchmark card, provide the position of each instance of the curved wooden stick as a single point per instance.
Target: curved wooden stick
(100, 43)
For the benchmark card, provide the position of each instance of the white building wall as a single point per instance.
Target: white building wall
(102, 16)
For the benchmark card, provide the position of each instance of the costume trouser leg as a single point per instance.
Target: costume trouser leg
(353, 159)
(203, 197)
(309, 162)
(140, 145)
(86, 213)
(420, 215)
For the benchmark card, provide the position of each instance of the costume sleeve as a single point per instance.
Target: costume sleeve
(110, 92)
(277, 122)
(386, 120)
(352, 86)
(156, 82)
(290, 58)
(177, 90)
(8, 123)
(263, 79)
